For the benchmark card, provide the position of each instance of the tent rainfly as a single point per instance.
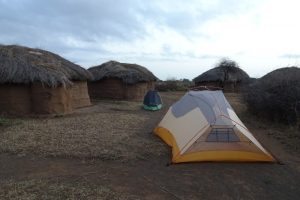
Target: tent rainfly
(202, 126)
(152, 101)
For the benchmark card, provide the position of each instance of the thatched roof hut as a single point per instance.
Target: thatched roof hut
(276, 95)
(26, 65)
(117, 80)
(227, 76)
(38, 81)
(281, 76)
(128, 73)
(217, 74)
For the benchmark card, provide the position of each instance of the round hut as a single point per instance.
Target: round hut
(227, 76)
(122, 81)
(35, 81)
(281, 76)
(276, 96)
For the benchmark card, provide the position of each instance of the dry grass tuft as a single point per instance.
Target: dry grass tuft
(54, 190)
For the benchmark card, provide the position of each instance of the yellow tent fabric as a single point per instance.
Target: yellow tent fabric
(202, 126)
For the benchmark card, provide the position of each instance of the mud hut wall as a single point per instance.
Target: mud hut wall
(47, 100)
(79, 94)
(116, 89)
(15, 99)
(108, 88)
(151, 85)
(136, 92)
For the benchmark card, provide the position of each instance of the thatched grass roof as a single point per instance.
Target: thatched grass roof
(223, 74)
(281, 76)
(25, 65)
(128, 73)
(276, 96)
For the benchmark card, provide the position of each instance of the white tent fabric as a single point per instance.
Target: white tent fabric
(204, 123)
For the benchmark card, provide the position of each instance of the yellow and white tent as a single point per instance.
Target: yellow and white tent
(202, 126)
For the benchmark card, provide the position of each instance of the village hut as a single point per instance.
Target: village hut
(226, 76)
(276, 96)
(35, 81)
(122, 81)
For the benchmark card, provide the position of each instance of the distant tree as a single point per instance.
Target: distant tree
(171, 78)
(173, 84)
(227, 66)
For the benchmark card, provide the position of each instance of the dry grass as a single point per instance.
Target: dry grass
(288, 136)
(57, 190)
(103, 133)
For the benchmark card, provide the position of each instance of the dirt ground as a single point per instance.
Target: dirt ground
(108, 151)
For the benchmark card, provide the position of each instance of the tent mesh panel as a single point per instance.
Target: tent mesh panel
(222, 135)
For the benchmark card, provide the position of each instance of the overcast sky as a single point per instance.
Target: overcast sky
(172, 38)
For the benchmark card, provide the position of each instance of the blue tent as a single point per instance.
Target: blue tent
(152, 100)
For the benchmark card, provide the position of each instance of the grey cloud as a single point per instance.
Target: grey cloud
(102, 19)
(52, 24)
(185, 21)
(48, 24)
(52, 19)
